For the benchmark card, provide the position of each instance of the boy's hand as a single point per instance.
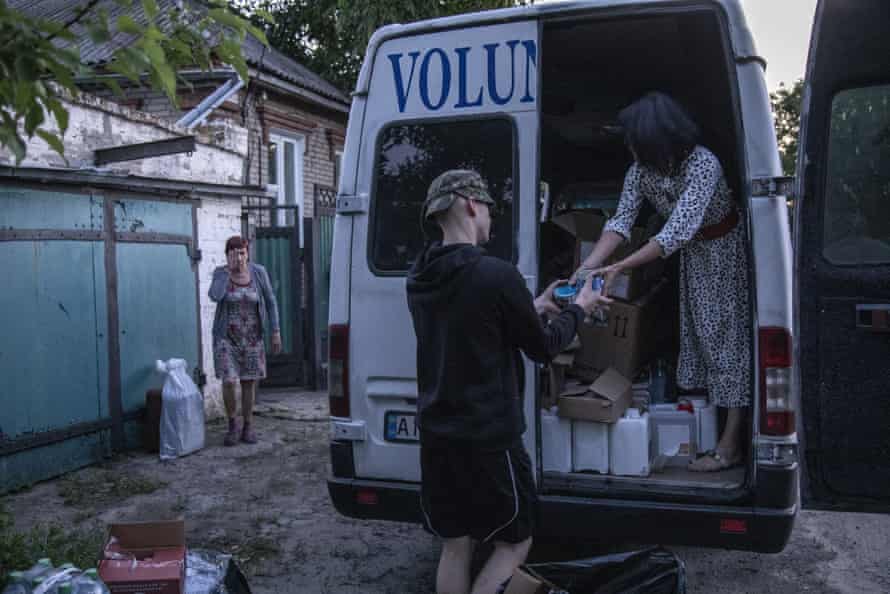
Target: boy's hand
(589, 300)
(544, 304)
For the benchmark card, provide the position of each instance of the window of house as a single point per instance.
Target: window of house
(857, 192)
(409, 158)
(286, 179)
(338, 167)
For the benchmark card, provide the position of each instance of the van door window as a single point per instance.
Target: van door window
(410, 156)
(857, 197)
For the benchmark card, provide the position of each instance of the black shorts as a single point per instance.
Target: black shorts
(487, 495)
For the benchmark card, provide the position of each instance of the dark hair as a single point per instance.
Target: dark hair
(236, 242)
(659, 131)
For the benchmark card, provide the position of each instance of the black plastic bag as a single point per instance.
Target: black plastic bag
(210, 572)
(649, 571)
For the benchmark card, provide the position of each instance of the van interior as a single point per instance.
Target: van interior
(591, 68)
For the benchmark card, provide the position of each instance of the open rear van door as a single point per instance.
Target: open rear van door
(438, 100)
(842, 259)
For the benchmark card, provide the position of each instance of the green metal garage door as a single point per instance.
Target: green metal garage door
(78, 345)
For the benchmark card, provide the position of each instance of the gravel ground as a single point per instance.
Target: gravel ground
(268, 505)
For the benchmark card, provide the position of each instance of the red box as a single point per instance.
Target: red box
(144, 557)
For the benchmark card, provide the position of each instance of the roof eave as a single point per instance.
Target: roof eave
(278, 83)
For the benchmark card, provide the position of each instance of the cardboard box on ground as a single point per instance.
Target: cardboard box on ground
(145, 557)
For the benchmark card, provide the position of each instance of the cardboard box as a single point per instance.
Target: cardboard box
(587, 226)
(145, 557)
(637, 282)
(605, 401)
(524, 581)
(630, 339)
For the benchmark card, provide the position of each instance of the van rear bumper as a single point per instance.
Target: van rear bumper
(584, 520)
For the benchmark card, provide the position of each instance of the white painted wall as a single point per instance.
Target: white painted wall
(219, 159)
(218, 219)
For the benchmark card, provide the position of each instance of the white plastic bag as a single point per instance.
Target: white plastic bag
(182, 411)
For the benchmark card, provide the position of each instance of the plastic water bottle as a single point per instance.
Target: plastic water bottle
(17, 584)
(661, 385)
(89, 583)
(42, 567)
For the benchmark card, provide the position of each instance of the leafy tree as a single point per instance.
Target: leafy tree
(786, 114)
(40, 60)
(330, 36)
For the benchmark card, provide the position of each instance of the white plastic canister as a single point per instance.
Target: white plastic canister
(629, 444)
(556, 442)
(590, 446)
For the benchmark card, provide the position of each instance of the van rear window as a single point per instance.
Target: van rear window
(410, 156)
(857, 196)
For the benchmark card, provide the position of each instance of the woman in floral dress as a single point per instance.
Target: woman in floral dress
(685, 183)
(245, 303)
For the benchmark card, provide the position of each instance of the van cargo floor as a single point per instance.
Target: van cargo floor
(670, 477)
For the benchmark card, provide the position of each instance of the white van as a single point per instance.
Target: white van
(528, 95)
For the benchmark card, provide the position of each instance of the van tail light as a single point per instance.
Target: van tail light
(338, 370)
(776, 410)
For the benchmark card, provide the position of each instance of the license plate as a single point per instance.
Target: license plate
(400, 426)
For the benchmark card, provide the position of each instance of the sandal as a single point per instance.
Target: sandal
(713, 461)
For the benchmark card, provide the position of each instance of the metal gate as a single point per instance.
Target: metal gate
(278, 250)
(323, 241)
(102, 283)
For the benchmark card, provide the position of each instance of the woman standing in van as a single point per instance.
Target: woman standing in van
(245, 302)
(685, 183)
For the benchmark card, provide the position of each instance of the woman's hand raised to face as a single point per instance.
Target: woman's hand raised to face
(237, 260)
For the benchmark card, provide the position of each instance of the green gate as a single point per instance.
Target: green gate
(278, 250)
(323, 241)
(102, 284)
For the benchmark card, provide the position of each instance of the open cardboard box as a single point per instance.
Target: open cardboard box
(145, 557)
(587, 226)
(605, 400)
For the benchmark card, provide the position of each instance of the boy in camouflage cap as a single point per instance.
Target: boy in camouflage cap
(453, 184)
(472, 316)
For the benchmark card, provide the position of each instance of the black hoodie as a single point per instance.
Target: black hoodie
(472, 315)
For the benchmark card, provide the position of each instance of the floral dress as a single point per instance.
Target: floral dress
(715, 320)
(240, 354)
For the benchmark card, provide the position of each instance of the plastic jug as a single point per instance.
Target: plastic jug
(629, 444)
(556, 442)
(706, 423)
(590, 446)
(674, 435)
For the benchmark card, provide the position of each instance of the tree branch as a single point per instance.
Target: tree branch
(77, 16)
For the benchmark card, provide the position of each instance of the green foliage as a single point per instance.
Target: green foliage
(330, 36)
(786, 114)
(20, 550)
(40, 61)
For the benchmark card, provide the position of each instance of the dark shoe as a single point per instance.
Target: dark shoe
(232, 435)
(247, 434)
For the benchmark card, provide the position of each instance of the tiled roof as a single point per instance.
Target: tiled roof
(257, 55)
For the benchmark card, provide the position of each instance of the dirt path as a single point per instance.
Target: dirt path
(268, 505)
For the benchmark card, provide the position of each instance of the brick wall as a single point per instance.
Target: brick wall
(218, 219)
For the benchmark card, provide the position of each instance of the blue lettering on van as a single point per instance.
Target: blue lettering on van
(424, 79)
(462, 81)
(434, 89)
(401, 90)
(490, 49)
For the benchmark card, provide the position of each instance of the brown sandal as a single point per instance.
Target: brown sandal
(713, 461)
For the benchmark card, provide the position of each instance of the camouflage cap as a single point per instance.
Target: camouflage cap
(446, 188)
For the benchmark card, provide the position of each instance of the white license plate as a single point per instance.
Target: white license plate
(400, 426)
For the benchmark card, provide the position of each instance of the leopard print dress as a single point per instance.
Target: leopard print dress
(715, 320)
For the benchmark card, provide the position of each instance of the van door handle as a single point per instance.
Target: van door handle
(874, 317)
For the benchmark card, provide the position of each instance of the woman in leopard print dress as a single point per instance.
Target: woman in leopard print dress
(685, 183)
